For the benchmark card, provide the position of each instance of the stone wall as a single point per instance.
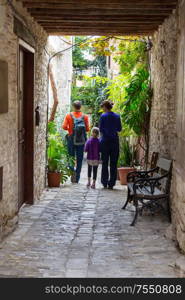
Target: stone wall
(178, 183)
(9, 121)
(167, 125)
(163, 66)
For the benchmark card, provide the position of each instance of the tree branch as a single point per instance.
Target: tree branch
(55, 95)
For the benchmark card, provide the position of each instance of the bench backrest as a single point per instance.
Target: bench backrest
(165, 166)
(154, 160)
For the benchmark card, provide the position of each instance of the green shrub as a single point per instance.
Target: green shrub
(57, 154)
(126, 154)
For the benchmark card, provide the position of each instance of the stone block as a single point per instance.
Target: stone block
(2, 16)
(180, 265)
(170, 233)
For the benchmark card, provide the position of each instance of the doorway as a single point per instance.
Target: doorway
(25, 124)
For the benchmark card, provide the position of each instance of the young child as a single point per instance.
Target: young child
(92, 147)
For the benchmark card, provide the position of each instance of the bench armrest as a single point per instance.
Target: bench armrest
(141, 174)
(150, 182)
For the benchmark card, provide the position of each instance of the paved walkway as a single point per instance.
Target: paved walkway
(78, 232)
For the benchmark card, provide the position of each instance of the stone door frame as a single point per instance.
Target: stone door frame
(26, 174)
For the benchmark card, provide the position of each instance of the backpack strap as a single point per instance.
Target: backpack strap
(73, 117)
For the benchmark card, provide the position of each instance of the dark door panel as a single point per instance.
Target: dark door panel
(25, 126)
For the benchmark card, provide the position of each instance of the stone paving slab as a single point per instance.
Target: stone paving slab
(78, 232)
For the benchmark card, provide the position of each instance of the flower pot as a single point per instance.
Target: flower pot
(123, 172)
(54, 179)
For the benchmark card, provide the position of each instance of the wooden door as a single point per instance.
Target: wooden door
(21, 129)
(26, 126)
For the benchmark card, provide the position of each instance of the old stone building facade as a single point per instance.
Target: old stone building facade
(167, 123)
(9, 52)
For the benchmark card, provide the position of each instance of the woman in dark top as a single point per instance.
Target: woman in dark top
(110, 125)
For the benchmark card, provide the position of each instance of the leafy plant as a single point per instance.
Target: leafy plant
(86, 94)
(136, 105)
(79, 60)
(130, 55)
(91, 92)
(58, 158)
(126, 154)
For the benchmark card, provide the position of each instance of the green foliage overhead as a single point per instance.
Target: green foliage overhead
(101, 46)
(131, 54)
(79, 60)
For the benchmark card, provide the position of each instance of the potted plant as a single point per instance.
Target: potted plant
(58, 160)
(125, 161)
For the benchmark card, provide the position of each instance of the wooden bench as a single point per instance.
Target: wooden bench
(148, 188)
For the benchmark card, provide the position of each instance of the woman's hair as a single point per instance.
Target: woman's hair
(77, 104)
(95, 130)
(108, 104)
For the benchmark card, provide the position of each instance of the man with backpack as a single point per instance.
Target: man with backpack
(77, 124)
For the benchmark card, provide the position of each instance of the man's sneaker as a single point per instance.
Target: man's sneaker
(73, 177)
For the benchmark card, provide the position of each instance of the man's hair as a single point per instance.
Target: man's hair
(95, 130)
(108, 104)
(77, 104)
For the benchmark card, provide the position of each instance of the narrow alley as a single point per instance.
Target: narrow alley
(130, 55)
(78, 232)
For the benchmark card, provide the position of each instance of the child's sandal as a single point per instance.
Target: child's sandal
(93, 186)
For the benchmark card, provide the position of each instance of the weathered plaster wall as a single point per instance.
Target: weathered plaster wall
(167, 126)
(9, 121)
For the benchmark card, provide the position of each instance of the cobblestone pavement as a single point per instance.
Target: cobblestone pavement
(78, 232)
